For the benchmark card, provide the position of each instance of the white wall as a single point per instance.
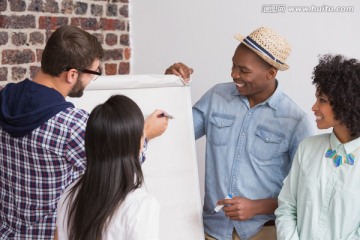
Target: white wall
(200, 34)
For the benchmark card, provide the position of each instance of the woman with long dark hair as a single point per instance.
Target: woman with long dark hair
(107, 202)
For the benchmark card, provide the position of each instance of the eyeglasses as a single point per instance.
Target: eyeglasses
(95, 73)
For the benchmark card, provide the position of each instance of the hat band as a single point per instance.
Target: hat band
(254, 44)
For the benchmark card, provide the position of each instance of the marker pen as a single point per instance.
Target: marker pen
(164, 114)
(219, 207)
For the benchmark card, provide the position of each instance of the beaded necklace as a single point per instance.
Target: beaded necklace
(338, 159)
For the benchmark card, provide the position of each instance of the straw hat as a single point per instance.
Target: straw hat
(269, 45)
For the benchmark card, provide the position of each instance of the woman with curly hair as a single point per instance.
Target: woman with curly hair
(320, 197)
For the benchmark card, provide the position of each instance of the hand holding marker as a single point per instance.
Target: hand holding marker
(219, 207)
(164, 114)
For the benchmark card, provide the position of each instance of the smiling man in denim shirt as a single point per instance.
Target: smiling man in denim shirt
(252, 132)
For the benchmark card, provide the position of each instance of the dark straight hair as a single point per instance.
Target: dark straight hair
(112, 143)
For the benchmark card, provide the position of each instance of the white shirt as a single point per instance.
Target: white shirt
(137, 218)
(318, 200)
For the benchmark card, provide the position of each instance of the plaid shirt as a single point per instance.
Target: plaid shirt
(35, 170)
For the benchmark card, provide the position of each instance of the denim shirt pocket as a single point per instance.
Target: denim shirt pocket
(266, 145)
(220, 128)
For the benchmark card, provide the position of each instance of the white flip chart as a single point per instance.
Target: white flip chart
(170, 170)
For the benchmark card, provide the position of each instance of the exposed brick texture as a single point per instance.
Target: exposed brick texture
(110, 68)
(13, 57)
(111, 10)
(124, 39)
(17, 5)
(51, 6)
(39, 55)
(17, 22)
(19, 39)
(86, 23)
(4, 38)
(124, 68)
(26, 25)
(67, 7)
(33, 71)
(100, 37)
(36, 6)
(81, 8)
(96, 10)
(36, 38)
(111, 39)
(52, 22)
(124, 11)
(3, 5)
(112, 24)
(3, 74)
(113, 54)
(18, 73)
(127, 53)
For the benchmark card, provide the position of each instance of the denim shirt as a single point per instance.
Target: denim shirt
(249, 151)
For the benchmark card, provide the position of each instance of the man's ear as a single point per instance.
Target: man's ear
(271, 73)
(72, 76)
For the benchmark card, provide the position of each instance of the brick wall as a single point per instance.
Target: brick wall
(25, 26)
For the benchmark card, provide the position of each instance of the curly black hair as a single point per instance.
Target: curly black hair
(338, 78)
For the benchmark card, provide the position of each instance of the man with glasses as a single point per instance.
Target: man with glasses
(95, 73)
(42, 135)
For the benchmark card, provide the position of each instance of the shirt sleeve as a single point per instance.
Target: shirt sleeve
(142, 156)
(76, 144)
(286, 213)
(199, 123)
(144, 222)
(200, 111)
